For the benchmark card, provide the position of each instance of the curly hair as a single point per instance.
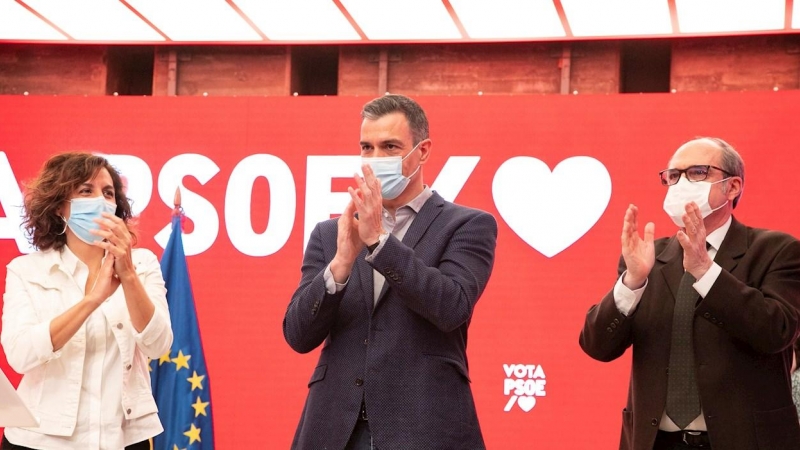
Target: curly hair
(55, 183)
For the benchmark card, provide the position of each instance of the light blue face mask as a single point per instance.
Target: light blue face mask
(82, 211)
(389, 170)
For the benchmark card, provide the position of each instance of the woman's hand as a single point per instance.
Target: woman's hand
(117, 242)
(105, 284)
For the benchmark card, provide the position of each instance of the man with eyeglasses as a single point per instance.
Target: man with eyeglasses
(711, 313)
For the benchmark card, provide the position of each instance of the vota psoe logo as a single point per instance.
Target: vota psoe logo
(523, 383)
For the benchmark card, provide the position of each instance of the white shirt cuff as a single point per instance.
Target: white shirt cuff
(704, 284)
(331, 286)
(626, 299)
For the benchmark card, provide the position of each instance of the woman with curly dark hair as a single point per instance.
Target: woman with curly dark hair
(83, 313)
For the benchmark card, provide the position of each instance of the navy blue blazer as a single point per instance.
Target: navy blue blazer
(406, 356)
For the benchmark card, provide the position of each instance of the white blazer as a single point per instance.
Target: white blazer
(39, 288)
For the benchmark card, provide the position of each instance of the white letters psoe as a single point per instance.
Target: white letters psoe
(200, 210)
(282, 203)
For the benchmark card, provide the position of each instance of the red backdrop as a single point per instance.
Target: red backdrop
(547, 271)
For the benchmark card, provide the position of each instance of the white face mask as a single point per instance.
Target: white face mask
(389, 170)
(683, 192)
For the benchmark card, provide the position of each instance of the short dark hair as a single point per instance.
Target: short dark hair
(55, 183)
(390, 103)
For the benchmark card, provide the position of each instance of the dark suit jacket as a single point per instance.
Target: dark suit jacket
(743, 334)
(406, 356)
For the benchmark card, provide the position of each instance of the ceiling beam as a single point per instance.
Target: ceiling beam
(563, 16)
(144, 19)
(350, 19)
(45, 19)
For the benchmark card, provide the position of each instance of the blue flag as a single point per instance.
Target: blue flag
(180, 379)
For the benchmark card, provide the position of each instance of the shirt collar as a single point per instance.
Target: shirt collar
(418, 201)
(716, 237)
(67, 260)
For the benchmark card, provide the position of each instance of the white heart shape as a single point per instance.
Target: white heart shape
(551, 210)
(526, 403)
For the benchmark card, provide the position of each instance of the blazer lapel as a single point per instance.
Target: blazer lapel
(672, 270)
(364, 273)
(733, 247)
(425, 217)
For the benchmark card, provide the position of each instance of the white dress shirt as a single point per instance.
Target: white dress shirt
(627, 300)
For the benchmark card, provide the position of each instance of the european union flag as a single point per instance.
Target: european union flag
(180, 379)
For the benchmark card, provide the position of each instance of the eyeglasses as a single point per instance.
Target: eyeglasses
(693, 173)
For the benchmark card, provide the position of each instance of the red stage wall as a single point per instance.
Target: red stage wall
(258, 172)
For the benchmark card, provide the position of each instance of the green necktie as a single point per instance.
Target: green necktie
(683, 401)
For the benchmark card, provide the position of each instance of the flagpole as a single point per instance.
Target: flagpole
(179, 379)
(176, 201)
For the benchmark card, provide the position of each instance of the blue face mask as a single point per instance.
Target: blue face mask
(82, 211)
(389, 170)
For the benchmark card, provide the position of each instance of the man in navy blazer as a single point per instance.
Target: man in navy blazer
(389, 288)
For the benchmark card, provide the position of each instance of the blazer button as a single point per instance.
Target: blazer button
(366, 341)
(128, 367)
(119, 326)
(616, 320)
(609, 330)
(706, 315)
(613, 325)
(713, 320)
(128, 410)
(654, 422)
(359, 381)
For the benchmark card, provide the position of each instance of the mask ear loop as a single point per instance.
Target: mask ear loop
(409, 154)
(65, 225)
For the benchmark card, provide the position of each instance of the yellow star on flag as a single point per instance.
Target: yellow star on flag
(199, 407)
(193, 434)
(196, 380)
(175, 447)
(181, 360)
(164, 358)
